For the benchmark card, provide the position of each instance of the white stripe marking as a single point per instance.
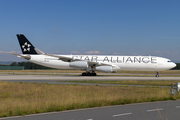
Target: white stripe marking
(177, 106)
(122, 114)
(154, 110)
(10, 117)
(89, 119)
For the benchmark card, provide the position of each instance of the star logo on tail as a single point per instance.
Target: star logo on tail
(26, 47)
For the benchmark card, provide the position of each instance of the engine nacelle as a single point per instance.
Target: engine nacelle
(104, 68)
(79, 64)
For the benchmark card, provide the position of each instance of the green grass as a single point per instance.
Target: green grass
(129, 82)
(25, 98)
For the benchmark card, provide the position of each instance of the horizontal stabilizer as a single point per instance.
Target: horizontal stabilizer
(27, 57)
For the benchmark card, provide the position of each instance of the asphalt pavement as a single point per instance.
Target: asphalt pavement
(76, 77)
(166, 110)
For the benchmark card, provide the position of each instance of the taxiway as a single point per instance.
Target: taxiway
(76, 77)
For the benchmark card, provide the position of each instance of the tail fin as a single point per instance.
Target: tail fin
(26, 46)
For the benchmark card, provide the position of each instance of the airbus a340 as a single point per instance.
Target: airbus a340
(92, 63)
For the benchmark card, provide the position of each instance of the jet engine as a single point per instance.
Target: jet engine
(104, 68)
(79, 64)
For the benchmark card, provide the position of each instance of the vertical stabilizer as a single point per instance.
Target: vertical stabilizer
(26, 46)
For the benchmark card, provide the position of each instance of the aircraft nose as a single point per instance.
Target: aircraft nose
(173, 65)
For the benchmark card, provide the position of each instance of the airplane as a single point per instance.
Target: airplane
(92, 63)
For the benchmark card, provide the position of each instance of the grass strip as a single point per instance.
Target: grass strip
(25, 98)
(129, 82)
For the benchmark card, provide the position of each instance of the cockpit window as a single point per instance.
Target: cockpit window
(168, 61)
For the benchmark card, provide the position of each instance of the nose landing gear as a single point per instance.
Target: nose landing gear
(157, 74)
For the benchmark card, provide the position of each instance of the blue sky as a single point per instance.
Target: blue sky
(112, 27)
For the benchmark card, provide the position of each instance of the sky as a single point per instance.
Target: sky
(101, 27)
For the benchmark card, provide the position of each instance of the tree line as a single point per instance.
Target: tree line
(30, 65)
(177, 67)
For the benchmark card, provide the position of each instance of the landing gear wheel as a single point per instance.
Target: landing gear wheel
(157, 75)
(93, 74)
(89, 74)
(83, 74)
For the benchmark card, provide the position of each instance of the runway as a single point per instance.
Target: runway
(79, 74)
(166, 110)
(54, 79)
(77, 77)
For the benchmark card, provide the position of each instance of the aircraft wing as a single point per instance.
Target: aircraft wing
(70, 59)
(63, 58)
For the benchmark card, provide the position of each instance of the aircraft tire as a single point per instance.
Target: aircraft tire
(83, 74)
(93, 74)
(157, 75)
(89, 74)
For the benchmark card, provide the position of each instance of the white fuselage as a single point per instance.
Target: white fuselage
(134, 63)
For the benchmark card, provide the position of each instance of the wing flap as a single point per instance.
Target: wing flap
(63, 58)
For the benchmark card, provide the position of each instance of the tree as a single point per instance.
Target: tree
(29, 65)
(13, 64)
(177, 66)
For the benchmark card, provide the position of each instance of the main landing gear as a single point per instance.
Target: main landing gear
(89, 74)
(157, 74)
